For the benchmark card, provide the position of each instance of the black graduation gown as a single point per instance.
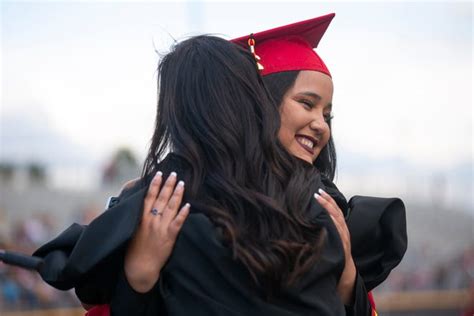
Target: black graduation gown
(200, 277)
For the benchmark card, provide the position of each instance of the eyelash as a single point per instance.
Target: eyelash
(327, 117)
(307, 103)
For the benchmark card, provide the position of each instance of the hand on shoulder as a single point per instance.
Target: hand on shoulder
(156, 235)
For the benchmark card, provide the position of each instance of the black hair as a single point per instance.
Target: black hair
(215, 112)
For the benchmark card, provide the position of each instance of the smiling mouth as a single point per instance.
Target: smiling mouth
(307, 143)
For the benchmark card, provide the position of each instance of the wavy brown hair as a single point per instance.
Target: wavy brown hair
(215, 113)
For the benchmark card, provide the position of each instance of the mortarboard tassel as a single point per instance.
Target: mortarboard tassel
(251, 43)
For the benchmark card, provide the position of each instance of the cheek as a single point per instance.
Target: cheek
(284, 135)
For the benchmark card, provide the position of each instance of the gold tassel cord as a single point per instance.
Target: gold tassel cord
(251, 43)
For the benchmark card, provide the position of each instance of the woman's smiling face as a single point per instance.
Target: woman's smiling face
(305, 115)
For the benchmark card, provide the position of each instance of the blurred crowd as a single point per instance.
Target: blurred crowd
(22, 289)
(419, 271)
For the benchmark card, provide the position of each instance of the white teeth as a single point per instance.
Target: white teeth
(306, 142)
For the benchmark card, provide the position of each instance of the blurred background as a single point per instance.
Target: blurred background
(78, 98)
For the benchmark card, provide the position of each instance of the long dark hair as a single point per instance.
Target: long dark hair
(278, 84)
(214, 112)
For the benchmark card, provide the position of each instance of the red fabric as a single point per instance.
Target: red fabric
(99, 310)
(290, 47)
(372, 303)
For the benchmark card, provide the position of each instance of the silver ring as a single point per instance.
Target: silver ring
(155, 212)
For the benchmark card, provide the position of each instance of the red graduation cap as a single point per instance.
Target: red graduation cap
(289, 47)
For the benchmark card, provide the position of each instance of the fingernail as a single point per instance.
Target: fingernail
(185, 209)
(157, 176)
(173, 174)
(317, 196)
(181, 183)
(321, 191)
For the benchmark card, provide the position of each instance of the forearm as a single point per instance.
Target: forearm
(346, 284)
(355, 296)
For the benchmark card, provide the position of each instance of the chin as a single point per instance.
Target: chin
(305, 159)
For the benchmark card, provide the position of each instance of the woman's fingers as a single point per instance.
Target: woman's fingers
(178, 221)
(153, 191)
(165, 193)
(167, 202)
(331, 201)
(171, 209)
(326, 201)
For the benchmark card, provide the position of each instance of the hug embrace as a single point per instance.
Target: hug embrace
(236, 212)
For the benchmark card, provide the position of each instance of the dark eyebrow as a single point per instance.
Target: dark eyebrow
(311, 94)
(317, 97)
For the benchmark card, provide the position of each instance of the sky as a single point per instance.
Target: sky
(78, 79)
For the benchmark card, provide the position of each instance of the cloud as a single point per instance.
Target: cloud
(28, 136)
(402, 71)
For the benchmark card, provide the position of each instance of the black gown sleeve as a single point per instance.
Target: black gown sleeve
(361, 304)
(378, 236)
(88, 258)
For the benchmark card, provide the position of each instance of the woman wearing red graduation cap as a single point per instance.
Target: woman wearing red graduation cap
(275, 251)
(299, 81)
